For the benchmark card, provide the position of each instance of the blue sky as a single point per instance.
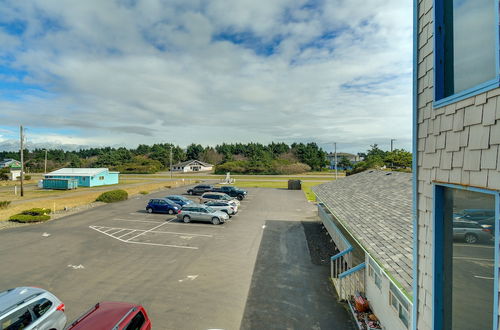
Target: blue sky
(186, 71)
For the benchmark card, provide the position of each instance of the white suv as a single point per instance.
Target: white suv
(30, 308)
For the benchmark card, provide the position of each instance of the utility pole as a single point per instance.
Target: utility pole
(22, 160)
(170, 162)
(335, 145)
(392, 144)
(45, 168)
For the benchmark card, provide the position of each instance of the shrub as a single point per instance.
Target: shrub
(113, 196)
(4, 204)
(143, 192)
(27, 177)
(36, 211)
(29, 218)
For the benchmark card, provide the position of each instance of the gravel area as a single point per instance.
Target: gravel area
(321, 246)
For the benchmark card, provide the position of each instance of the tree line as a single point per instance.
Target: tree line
(238, 157)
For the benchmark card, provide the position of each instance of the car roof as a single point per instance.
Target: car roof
(176, 196)
(213, 193)
(104, 315)
(17, 296)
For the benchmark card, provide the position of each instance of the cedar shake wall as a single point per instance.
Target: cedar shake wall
(458, 143)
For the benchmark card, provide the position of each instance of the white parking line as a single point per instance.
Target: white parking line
(128, 233)
(142, 243)
(147, 231)
(147, 221)
(154, 231)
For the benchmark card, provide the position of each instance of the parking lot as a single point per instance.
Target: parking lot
(187, 275)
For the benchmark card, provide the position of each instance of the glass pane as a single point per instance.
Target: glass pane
(468, 260)
(40, 307)
(470, 48)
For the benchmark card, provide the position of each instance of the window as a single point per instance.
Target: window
(101, 178)
(465, 48)
(40, 307)
(137, 322)
(464, 259)
(374, 272)
(400, 305)
(19, 319)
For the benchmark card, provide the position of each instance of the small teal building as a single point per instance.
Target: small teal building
(86, 177)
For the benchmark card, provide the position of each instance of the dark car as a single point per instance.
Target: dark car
(181, 200)
(231, 191)
(113, 315)
(162, 205)
(200, 189)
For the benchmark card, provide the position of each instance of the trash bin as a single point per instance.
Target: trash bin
(294, 185)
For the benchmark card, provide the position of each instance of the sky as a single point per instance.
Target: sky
(126, 72)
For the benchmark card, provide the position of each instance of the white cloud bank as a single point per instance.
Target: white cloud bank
(129, 72)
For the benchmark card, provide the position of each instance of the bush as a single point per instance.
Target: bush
(143, 192)
(27, 177)
(4, 204)
(29, 218)
(36, 211)
(113, 196)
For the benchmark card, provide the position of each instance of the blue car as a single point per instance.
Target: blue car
(181, 200)
(162, 205)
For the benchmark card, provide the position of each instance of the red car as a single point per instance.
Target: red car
(113, 316)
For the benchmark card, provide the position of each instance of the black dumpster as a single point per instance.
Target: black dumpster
(294, 185)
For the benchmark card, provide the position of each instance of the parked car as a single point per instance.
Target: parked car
(216, 196)
(30, 308)
(231, 191)
(204, 213)
(162, 205)
(474, 214)
(471, 232)
(181, 200)
(223, 206)
(109, 315)
(200, 189)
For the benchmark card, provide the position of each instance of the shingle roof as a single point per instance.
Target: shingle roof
(77, 171)
(182, 164)
(376, 208)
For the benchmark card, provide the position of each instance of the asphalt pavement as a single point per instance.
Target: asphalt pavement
(188, 276)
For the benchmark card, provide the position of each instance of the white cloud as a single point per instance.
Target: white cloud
(162, 71)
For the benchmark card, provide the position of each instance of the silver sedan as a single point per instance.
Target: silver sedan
(202, 213)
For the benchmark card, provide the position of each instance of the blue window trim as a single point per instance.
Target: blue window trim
(440, 101)
(437, 248)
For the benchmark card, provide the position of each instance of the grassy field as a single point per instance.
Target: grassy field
(71, 198)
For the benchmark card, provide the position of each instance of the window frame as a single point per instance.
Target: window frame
(437, 251)
(439, 45)
(394, 297)
(375, 273)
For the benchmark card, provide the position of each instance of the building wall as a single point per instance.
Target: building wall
(104, 178)
(379, 301)
(458, 143)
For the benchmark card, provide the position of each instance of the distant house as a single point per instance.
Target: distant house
(351, 157)
(369, 218)
(192, 166)
(86, 177)
(9, 162)
(15, 167)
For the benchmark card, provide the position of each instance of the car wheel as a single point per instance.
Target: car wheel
(186, 219)
(239, 197)
(471, 239)
(215, 221)
(170, 211)
(150, 210)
